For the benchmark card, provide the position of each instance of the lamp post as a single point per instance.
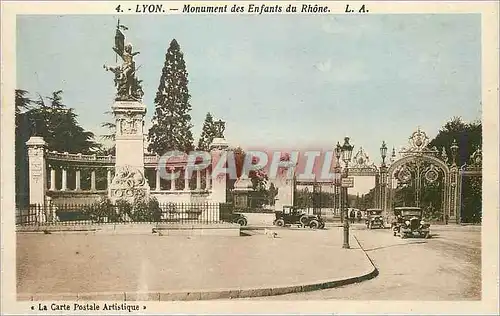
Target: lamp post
(338, 203)
(383, 178)
(346, 157)
(383, 152)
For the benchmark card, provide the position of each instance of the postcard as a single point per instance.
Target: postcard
(335, 157)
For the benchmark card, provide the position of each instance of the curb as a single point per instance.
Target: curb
(205, 295)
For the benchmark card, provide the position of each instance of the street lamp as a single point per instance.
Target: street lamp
(338, 152)
(383, 169)
(346, 157)
(383, 152)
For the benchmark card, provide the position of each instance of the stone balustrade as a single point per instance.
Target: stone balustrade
(67, 157)
(83, 177)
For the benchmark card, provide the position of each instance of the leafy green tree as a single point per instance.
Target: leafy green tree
(171, 129)
(259, 179)
(207, 133)
(58, 125)
(467, 135)
(110, 137)
(51, 119)
(469, 138)
(22, 104)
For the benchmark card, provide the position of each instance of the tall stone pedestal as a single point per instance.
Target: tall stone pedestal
(285, 185)
(219, 149)
(129, 179)
(37, 170)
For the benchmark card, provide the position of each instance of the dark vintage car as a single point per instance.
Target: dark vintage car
(292, 216)
(409, 222)
(374, 218)
(228, 214)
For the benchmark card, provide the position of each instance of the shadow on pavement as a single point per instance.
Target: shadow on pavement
(390, 246)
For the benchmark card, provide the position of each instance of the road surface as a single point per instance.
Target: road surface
(445, 267)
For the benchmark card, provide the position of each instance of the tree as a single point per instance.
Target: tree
(469, 139)
(171, 129)
(467, 135)
(259, 179)
(58, 126)
(51, 119)
(207, 134)
(111, 136)
(22, 104)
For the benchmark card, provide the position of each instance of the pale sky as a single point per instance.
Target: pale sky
(279, 81)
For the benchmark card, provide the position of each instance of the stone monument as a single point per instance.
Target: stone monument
(129, 111)
(37, 169)
(285, 183)
(218, 149)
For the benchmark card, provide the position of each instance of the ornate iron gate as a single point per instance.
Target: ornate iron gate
(313, 195)
(470, 176)
(432, 180)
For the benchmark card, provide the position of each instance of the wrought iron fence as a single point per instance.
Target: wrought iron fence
(87, 214)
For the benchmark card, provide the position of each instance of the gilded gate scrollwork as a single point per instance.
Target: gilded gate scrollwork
(420, 169)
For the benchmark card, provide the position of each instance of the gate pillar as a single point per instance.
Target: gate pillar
(37, 169)
(453, 190)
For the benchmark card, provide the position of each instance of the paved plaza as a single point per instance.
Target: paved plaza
(88, 263)
(444, 267)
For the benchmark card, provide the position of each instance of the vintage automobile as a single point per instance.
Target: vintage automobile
(374, 218)
(292, 216)
(228, 214)
(409, 222)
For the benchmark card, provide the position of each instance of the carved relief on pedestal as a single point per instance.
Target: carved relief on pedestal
(127, 183)
(36, 169)
(129, 124)
(36, 160)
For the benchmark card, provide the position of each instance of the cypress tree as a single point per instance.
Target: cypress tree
(171, 128)
(207, 134)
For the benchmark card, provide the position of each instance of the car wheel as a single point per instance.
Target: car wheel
(394, 232)
(303, 220)
(241, 222)
(280, 222)
(314, 224)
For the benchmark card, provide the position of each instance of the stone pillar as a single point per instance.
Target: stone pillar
(52, 179)
(109, 177)
(207, 179)
(37, 169)
(158, 180)
(64, 185)
(198, 180)
(454, 205)
(129, 141)
(172, 181)
(218, 148)
(92, 180)
(186, 181)
(377, 191)
(77, 180)
(285, 183)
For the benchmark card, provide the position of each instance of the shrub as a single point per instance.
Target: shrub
(142, 209)
(102, 209)
(145, 210)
